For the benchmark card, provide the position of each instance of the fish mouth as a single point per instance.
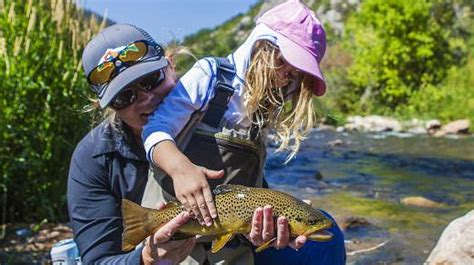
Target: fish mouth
(320, 236)
(318, 233)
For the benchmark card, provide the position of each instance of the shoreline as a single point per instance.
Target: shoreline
(377, 124)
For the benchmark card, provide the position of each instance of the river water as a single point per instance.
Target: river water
(366, 175)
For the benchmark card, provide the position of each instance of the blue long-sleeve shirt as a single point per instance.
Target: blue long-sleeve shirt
(106, 166)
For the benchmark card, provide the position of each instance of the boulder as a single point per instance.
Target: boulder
(334, 143)
(414, 126)
(326, 127)
(318, 175)
(372, 123)
(420, 202)
(354, 123)
(433, 125)
(459, 126)
(456, 244)
(353, 222)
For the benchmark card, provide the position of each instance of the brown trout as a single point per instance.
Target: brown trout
(235, 207)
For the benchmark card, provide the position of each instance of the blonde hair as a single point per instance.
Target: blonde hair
(110, 115)
(265, 103)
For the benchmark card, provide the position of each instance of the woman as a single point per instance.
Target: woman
(130, 75)
(109, 163)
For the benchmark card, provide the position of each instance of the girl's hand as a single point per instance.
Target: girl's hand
(189, 181)
(193, 191)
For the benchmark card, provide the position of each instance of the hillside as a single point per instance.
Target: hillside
(382, 62)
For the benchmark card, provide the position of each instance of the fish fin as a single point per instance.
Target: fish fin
(136, 225)
(180, 235)
(224, 188)
(265, 245)
(220, 241)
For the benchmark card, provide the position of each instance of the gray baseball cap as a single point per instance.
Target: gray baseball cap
(113, 38)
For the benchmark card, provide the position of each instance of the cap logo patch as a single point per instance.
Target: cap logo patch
(111, 54)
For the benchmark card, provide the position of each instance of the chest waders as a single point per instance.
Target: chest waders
(209, 141)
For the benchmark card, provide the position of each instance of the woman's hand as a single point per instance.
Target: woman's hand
(263, 230)
(159, 250)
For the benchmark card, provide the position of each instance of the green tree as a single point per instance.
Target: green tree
(454, 97)
(42, 91)
(219, 41)
(398, 47)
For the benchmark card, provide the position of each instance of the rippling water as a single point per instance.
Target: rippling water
(377, 170)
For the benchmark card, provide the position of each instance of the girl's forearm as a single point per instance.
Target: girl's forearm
(169, 158)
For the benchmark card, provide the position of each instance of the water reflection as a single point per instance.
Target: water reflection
(379, 169)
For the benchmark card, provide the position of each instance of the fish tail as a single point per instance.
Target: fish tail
(136, 224)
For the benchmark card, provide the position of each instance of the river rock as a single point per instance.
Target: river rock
(326, 127)
(432, 126)
(459, 126)
(420, 202)
(414, 126)
(334, 143)
(353, 222)
(318, 175)
(373, 123)
(456, 244)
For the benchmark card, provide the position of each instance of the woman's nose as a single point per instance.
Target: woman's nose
(143, 95)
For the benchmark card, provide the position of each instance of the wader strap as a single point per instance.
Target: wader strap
(254, 132)
(224, 91)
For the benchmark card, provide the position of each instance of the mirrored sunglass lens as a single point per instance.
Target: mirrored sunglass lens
(133, 52)
(102, 73)
(148, 82)
(159, 77)
(123, 99)
(151, 81)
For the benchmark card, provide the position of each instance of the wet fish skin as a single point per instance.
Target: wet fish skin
(235, 207)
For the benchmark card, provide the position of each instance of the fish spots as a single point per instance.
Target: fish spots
(236, 206)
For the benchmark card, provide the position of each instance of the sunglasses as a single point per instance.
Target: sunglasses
(131, 54)
(128, 95)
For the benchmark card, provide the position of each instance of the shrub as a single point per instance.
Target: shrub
(453, 99)
(42, 92)
(399, 47)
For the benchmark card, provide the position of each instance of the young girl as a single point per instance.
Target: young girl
(278, 62)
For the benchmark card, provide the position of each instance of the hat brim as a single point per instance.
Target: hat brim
(302, 60)
(128, 76)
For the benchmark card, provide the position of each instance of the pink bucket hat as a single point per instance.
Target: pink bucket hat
(300, 37)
